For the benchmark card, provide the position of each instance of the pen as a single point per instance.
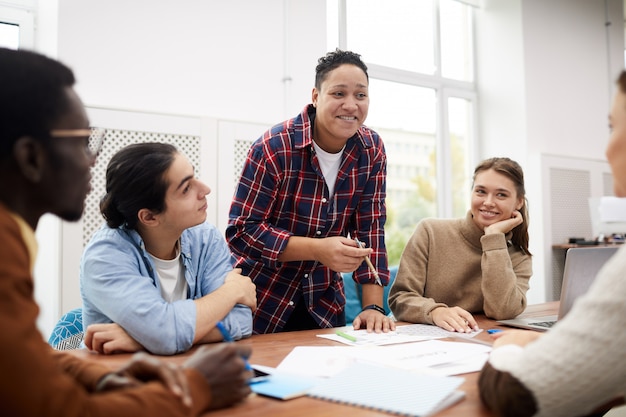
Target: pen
(369, 264)
(492, 331)
(228, 338)
(346, 336)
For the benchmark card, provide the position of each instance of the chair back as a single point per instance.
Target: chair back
(68, 332)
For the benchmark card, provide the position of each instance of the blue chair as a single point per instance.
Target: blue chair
(68, 332)
(354, 294)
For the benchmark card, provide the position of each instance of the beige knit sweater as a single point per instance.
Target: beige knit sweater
(579, 365)
(451, 262)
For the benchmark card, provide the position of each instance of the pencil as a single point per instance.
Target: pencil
(369, 264)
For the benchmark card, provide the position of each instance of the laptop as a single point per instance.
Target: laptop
(581, 267)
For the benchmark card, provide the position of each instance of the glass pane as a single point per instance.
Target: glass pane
(332, 25)
(9, 35)
(405, 117)
(393, 33)
(460, 127)
(456, 40)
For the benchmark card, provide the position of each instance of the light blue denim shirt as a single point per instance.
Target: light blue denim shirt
(118, 283)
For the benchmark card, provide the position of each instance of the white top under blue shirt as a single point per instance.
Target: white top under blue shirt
(171, 274)
(119, 284)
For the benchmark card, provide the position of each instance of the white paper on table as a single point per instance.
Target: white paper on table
(464, 366)
(432, 353)
(427, 357)
(320, 361)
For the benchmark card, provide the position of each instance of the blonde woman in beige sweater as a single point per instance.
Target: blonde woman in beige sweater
(452, 268)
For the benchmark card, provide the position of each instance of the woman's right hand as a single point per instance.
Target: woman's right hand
(245, 288)
(505, 226)
(514, 337)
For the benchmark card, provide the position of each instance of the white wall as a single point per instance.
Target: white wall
(500, 78)
(570, 74)
(226, 59)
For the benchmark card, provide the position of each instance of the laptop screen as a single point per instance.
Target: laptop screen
(581, 267)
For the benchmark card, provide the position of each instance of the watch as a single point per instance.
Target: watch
(375, 307)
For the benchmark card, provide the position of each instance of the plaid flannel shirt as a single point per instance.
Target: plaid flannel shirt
(282, 193)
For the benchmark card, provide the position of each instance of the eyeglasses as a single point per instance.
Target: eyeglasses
(94, 136)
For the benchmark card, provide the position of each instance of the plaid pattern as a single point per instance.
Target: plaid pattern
(281, 193)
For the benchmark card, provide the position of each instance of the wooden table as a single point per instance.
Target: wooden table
(270, 349)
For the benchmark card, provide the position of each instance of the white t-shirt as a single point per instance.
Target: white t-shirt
(329, 162)
(171, 277)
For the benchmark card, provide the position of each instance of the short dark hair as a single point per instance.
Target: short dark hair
(32, 96)
(513, 171)
(135, 179)
(332, 60)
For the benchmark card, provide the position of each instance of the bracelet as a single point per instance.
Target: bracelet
(375, 307)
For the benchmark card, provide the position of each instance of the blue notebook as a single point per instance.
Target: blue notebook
(391, 390)
(284, 386)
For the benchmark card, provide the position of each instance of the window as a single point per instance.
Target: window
(398, 34)
(9, 35)
(419, 55)
(16, 28)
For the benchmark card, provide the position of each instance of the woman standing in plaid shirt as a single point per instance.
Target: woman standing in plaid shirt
(309, 187)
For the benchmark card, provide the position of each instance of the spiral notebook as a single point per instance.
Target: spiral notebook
(390, 390)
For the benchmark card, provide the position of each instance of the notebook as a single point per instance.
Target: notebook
(391, 390)
(281, 385)
(581, 267)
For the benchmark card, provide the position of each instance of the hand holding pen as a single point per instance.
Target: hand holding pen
(221, 367)
(369, 263)
(228, 338)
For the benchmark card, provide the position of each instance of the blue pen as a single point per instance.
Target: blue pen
(492, 331)
(228, 338)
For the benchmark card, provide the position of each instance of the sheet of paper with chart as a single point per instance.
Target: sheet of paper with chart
(402, 334)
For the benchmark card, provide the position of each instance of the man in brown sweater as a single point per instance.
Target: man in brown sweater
(45, 161)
